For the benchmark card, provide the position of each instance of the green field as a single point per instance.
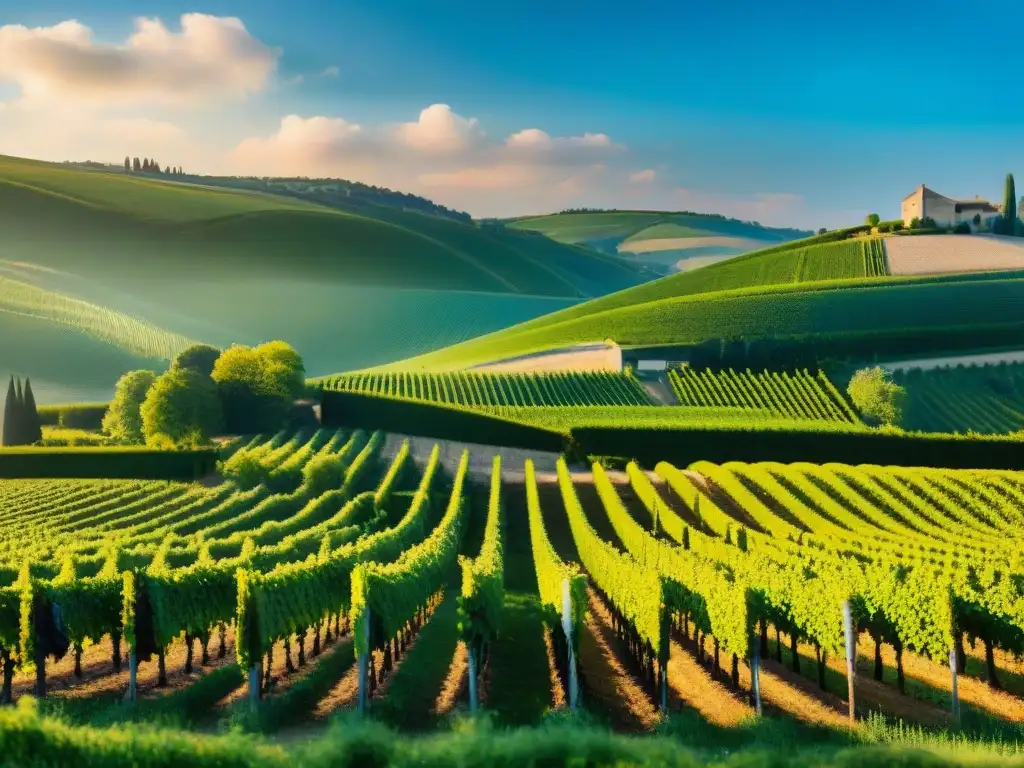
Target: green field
(987, 399)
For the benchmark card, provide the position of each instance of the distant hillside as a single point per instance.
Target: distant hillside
(115, 224)
(835, 295)
(124, 265)
(337, 193)
(671, 241)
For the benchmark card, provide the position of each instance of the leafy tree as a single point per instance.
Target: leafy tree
(977, 219)
(872, 219)
(258, 385)
(32, 423)
(280, 354)
(199, 357)
(181, 410)
(822, 231)
(915, 223)
(1009, 223)
(123, 419)
(877, 396)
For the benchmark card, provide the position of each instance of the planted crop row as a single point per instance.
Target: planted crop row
(797, 396)
(475, 388)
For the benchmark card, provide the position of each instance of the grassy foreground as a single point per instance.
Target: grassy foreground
(27, 739)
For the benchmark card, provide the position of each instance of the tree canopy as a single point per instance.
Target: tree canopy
(199, 357)
(181, 410)
(877, 396)
(123, 419)
(257, 385)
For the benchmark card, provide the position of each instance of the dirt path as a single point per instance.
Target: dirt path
(597, 356)
(611, 690)
(660, 391)
(986, 358)
(694, 687)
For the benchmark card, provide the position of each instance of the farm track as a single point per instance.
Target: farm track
(611, 691)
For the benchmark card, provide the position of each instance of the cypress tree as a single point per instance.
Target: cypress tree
(8, 435)
(1009, 223)
(127, 164)
(19, 414)
(33, 426)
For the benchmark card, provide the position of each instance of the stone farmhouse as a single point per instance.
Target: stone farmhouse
(927, 203)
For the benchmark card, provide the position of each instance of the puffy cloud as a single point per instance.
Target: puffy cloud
(211, 57)
(439, 129)
(642, 177)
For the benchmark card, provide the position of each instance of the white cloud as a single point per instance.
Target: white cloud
(331, 71)
(642, 177)
(211, 57)
(439, 129)
(442, 154)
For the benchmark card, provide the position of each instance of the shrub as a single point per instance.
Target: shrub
(246, 470)
(877, 396)
(123, 421)
(257, 385)
(181, 410)
(963, 228)
(199, 357)
(324, 472)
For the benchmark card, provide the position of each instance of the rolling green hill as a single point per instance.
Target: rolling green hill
(120, 222)
(938, 313)
(115, 261)
(671, 241)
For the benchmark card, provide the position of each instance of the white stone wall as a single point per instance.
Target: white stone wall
(941, 210)
(911, 209)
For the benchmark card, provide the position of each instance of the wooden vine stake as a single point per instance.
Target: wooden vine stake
(567, 629)
(851, 656)
(364, 663)
(133, 675)
(755, 672)
(956, 694)
(474, 698)
(254, 685)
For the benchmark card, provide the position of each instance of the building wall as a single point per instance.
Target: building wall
(942, 210)
(911, 208)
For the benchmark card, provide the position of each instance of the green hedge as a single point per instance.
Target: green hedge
(73, 415)
(27, 740)
(754, 443)
(129, 462)
(357, 410)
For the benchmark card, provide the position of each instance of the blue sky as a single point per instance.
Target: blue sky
(825, 110)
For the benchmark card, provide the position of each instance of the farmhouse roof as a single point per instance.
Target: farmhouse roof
(923, 189)
(983, 206)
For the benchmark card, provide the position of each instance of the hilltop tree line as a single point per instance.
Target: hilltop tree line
(148, 165)
(21, 425)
